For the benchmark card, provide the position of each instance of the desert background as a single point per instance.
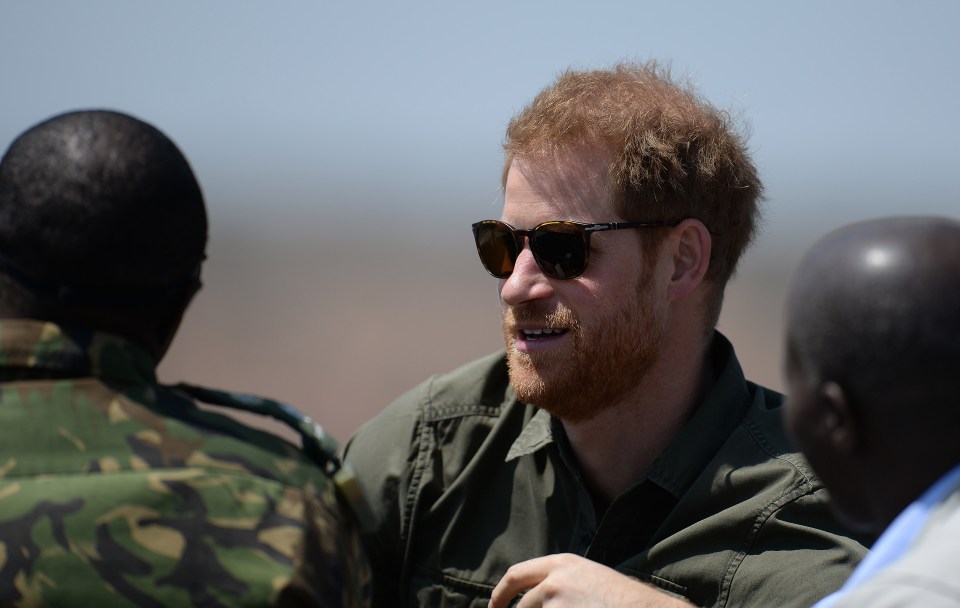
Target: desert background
(345, 148)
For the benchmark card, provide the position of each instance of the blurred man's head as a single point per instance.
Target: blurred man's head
(872, 360)
(102, 225)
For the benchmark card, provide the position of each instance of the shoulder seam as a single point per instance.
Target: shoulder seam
(802, 489)
(788, 457)
(807, 485)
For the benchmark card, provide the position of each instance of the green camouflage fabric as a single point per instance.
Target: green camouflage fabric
(117, 491)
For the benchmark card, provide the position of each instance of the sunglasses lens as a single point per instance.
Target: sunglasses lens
(560, 249)
(496, 246)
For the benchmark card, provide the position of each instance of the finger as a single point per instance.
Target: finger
(519, 577)
(534, 598)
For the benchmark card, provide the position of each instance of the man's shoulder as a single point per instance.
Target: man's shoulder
(752, 448)
(935, 551)
(159, 477)
(762, 429)
(148, 427)
(217, 410)
(480, 387)
(925, 575)
(448, 412)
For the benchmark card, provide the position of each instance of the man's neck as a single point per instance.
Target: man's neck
(616, 447)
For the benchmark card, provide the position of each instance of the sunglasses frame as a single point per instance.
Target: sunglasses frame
(583, 230)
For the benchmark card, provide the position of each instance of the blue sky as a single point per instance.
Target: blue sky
(297, 112)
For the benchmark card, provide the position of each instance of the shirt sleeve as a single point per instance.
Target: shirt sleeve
(800, 547)
(384, 455)
(330, 568)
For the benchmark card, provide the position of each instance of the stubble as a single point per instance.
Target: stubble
(600, 363)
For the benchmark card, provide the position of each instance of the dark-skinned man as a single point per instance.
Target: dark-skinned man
(873, 372)
(116, 490)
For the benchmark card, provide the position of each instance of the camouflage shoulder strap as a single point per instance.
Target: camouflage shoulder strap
(316, 443)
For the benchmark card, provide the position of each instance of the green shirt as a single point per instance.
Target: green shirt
(466, 481)
(117, 491)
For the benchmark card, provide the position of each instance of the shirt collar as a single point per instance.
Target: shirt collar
(710, 425)
(699, 439)
(28, 343)
(536, 434)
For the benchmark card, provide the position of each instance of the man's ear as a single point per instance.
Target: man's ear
(690, 246)
(841, 424)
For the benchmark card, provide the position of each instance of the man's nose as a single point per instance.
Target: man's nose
(527, 281)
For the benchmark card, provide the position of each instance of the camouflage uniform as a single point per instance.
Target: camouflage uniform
(117, 491)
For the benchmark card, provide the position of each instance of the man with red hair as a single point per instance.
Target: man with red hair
(614, 452)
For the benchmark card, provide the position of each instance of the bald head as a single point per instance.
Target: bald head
(876, 306)
(100, 218)
(873, 353)
(99, 198)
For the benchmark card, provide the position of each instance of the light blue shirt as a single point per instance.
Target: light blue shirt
(898, 537)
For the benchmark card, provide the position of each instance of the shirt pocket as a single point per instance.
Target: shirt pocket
(658, 582)
(444, 591)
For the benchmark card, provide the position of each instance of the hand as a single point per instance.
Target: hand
(567, 580)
